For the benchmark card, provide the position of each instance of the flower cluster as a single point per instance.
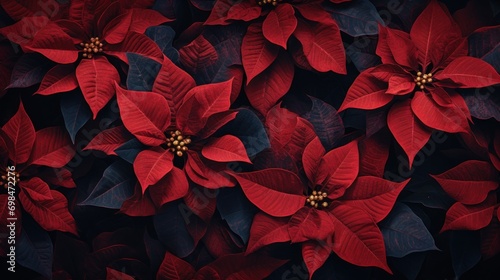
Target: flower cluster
(249, 139)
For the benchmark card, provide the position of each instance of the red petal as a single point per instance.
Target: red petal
(279, 24)
(313, 153)
(151, 166)
(314, 255)
(50, 214)
(366, 93)
(53, 148)
(211, 176)
(135, 43)
(469, 182)
(400, 85)
(215, 122)
(36, 189)
(202, 102)
(173, 268)
(96, 78)
(470, 217)
(277, 192)
(145, 114)
(59, 79)
(437, 117)
(355, 227)
(266, 89)
(310, 224)
(470, 72)
(385, 72)
(55, 44)
(267, 230)
(257, 53)
(322, 46)
(338, 169)
(427, 33)
(245, 11)
(200, 53)
(227, 148)
(172, 187)
(409, 132)
(202, 202)
(109, 140)
(21, 132)
(374, 152)
(374, 195)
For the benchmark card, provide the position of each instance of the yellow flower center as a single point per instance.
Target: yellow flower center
(91, 48)
(422, 79)
(318, 199)
(9, 176)
(268, 2)
(178, 143)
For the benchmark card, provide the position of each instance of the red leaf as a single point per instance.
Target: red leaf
(61, 78)
(109, 140)
(245, 11)
(490, 240)
(322, 46)
(211, 176)
(19, 129)
(355, 227)
(112, 274)
(366, 93)
(96, 78)
(395, 47)
(52, 148)
(400, 85)
(50, 214)
(150, 166)
(279, 25)
(227, 148)
(374, 195)
(338, 169)
(314, 255)
(267, 230)
(135, 43)
(173, 268)
(310, 224)
(215, 122)
(139, 205)
(202, 202)
(173, 83)
(277, 192)
(470, 72)
(409, 132)
(173, 186)
(200, 53)
(58, 177)
(145, 114)
(257, 53)
(434, 116)
(427, 33)
(202, 102)
(271, 85)
(53, 43)
(313, 153)
(374, 152)
(470, 217)
(469, 182)
(36, 189)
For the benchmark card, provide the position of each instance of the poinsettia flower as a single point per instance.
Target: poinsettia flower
(417, 78)
(269, 70)
(334, 208)
(82, 44)
(32, 160)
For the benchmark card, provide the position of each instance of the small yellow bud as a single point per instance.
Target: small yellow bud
(185, 148)
(429, 75)
(429, 80)
(325, 204)
(179, 153)
(175, 142)
(325, 194)
(313, 203)
(422, 87)
(419, 73)
(314, 192)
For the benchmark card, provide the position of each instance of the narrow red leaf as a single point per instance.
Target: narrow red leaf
(314, 255)
(243, 10)
(267, 230)
(210, 176)
(150, 166)
(469, 182)
(173, 186)
(310, 224)
(409, 132)
(19, 129)
(50, 214)
(374, 152)
(355, 227)
(96, 78)
(367, 93)
(257, 53)
(470, 217)
(61, 78)
(53, 148)
(227, 148)
(313, 153)
(53, 43)
(135, 43)
(396, 46)
(36, 189)
(145, 114)
(277, 192)
(374, 195)
(400, 85)
(470, 72)
(322, 46)
(109, 140)
(279, 24)
(173, 268)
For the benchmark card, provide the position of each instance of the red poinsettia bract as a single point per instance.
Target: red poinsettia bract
(35, 159)
(335, 208)
(417, 78)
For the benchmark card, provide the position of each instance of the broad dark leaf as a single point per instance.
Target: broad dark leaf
(164, 37)
(356, 18)
(142, 72)
(29, 70)
(129, 150)
(75, 111)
